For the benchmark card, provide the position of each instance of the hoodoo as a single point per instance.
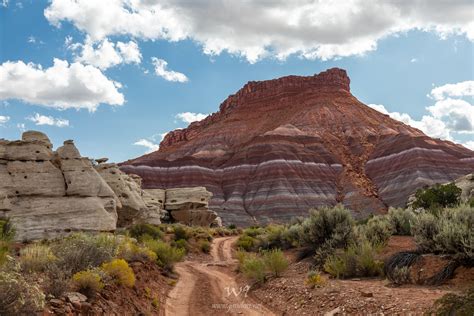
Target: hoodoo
(279, 147)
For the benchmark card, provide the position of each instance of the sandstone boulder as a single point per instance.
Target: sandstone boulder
(47, 194)
(132, 207)
(189, 206)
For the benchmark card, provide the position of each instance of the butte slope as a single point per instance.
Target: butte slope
(279, 147)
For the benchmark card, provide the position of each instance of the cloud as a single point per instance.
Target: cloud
(447, 118)
(469, 144)
(148, 144)
(307, 28)
(414, 60)
(461, 89)
(4, 119)
(105, 54)
(189, 117)
(4, 3)
(169, 75)
(39, 119)
(62, 86)
(21, 127)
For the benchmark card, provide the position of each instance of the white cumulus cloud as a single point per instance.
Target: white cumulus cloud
(105, 54)
(4, 119)
(61, 86)
(448, 117)
(189, 117)
(39, 119)
(161, 70)
(256, 29)
(148, 144)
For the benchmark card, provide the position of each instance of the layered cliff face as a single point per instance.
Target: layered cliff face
(279, 147)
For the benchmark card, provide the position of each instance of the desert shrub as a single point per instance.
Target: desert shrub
(145, 231)
(205, 246)
(400, 220)
(246, 242)
(167, 255)
(437, 196)
(79, 252)
(87, 282)
(240, 255)
(275, 261)
(455, 304)
(424, 229)
(254, 231)
(358, 260)
(449, 233)
(232, 226)
(377, 230)
(182, 244)
(253, 268)
(57, 281)
(292, 235)
(471, 202)
(275, 237)
(315, 279)
(131, 251)
(7, 234)
(36, 257)
(17, 296)
(327, 223)
(400, 275)
(119, 270)
(181, 232)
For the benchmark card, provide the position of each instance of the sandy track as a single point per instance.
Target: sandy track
(210, 288)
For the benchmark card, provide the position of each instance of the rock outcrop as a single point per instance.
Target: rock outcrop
(279, 147)
(47, 194)
(134, 205)
(190, 206)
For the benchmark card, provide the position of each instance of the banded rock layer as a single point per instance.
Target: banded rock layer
(279, 147)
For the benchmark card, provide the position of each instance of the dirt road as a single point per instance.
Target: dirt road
(209, 288)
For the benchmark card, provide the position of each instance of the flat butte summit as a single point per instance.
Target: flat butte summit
(279, 147)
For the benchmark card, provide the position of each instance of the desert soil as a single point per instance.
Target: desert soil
(210, 287)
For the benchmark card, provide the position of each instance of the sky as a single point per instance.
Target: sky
(117, 75)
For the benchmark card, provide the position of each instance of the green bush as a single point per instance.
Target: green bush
(400, 275)
(36, 257)
(400, 220)
(246, 242)
(129, 250)
(205, 246)
(232, 226)
(18, 296)
(315, 279)
(454, 304)
(358, 260)
(7, 234)
(254, 231)
(167, 255)
(378, 230)
(79, 252)
(87, 282)
(438, 196)
(448, 233)
(325, 224)
(119, 270)
(253, 268)
(145, 231)
(181, 243)
(181, 232)
(275, 261)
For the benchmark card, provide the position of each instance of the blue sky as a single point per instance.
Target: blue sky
(394, 67)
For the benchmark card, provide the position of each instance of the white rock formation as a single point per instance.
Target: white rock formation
(47, 194)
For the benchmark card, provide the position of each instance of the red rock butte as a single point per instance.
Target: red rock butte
(279, 147)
